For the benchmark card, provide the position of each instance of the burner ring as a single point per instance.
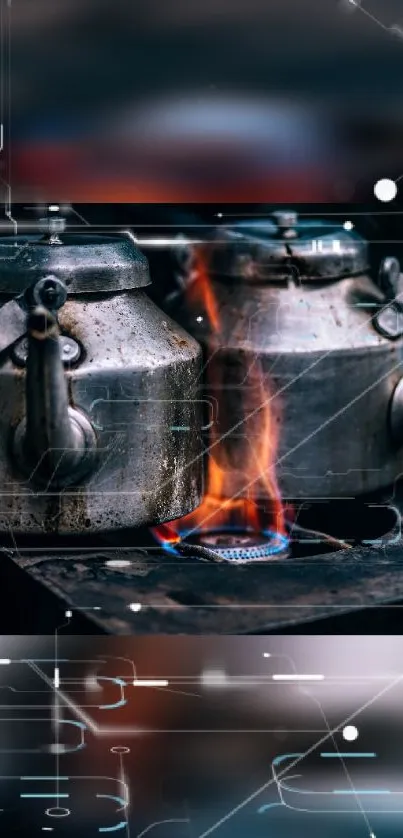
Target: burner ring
(243, 546)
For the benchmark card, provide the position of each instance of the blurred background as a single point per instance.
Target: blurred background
(231, 100)
(197, 752)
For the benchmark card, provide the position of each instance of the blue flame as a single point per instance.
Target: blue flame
(275, 544)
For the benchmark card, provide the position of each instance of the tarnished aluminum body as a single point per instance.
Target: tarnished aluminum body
(132, 431)
(304, 330)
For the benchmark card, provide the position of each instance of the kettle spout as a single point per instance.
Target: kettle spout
(55, 443)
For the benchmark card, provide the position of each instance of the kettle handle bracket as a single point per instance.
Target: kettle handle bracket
(49, 292)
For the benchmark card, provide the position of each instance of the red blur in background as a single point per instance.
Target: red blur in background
(292, 100)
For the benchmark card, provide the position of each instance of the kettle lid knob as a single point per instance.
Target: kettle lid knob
(52, 224)
(285, 218)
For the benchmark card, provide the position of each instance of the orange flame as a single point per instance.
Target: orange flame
(199, 291)
(234, 491)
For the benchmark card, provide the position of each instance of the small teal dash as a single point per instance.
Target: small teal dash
(332, 755)
(45, 778)
(56, 796)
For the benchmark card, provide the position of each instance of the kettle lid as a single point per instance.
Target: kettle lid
(85, 263)
(284, 247)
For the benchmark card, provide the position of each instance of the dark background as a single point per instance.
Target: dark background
(227, 100)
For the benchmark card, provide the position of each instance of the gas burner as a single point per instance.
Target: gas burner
(317, 528)
(241, 546)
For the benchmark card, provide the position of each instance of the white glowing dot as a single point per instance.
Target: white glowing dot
(54, 208)
(118, 563)
(68, 614)
(199, 319)
(219, 215)
(385, 190)
(214, 678)
(135, 606)
(350, 733)
(348, 225)
(266, 655)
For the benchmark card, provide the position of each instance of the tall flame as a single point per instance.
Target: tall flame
(242, 495)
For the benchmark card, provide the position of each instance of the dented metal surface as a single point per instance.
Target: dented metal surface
(299, 307)
(310, 250)
(87, 264)
(136, 379)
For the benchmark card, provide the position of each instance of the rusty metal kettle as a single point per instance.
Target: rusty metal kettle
(298, 301)
(100, 425)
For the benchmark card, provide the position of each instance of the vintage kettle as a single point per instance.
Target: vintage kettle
(100, 420)
(291, 319)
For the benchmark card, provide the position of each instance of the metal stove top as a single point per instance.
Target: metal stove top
(127, 584)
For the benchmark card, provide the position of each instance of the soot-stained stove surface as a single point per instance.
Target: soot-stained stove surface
(128, 584)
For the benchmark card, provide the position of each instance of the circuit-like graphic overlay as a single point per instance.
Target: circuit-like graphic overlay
(363, 6)
(224, 737)
(256, 469)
